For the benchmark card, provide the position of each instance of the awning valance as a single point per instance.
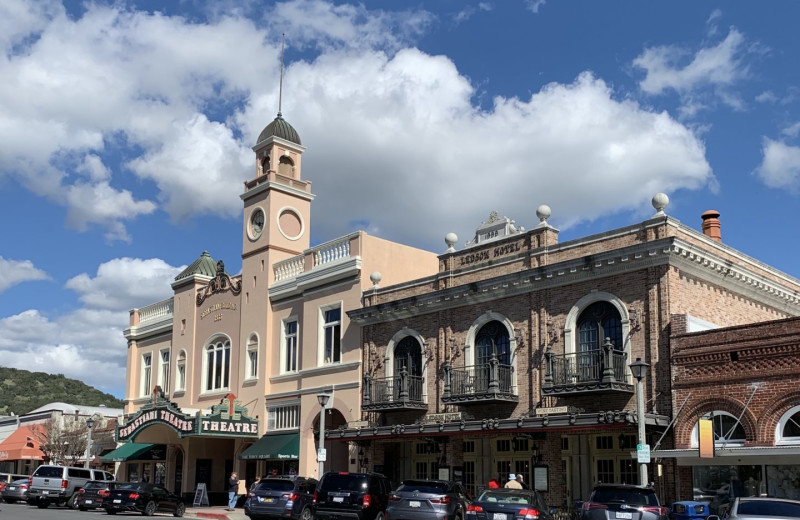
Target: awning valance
(136, 451)
(23, 444)
(275, 446)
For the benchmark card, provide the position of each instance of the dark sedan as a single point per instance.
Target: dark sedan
(92, 494)
(144, 498)
(508, 504)
(428, 500)
(278, 497)
(16, 490)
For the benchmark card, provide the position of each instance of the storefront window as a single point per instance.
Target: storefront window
(717, 485)
(161, 474)
(784, 481)
(133, 473)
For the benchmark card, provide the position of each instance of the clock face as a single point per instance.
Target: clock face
(256, 223)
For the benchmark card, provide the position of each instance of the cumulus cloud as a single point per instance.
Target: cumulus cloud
(780, 165)
(14, 272)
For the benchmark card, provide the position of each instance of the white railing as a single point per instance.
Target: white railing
(156, 311)
(288, 268)
(332, 251)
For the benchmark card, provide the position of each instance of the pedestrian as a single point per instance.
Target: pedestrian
(233, 488)
(522, 481)
(512, 482)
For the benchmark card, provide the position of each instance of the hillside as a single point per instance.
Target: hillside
(22, 391)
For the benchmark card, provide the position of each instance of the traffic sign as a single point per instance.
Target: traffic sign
(321, 454)
(643, 453)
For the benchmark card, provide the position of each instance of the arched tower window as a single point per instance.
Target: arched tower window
(493, 338)
(408, 355)
(285, 166)
(218, 365)
(265, 165)
(598, 321)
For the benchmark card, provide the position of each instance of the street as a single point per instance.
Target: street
(22, 511)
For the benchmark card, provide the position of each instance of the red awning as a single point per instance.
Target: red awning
(23, 444)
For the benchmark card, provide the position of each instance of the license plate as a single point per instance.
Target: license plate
(45, 492)
(499, 516)
(338, 499)
(627, 516)
(414, 503)
(118, 501)
(269, 499)
(11, 488)
(87, 502)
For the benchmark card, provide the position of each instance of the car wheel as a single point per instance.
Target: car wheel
(180, 510)
(72, 503)
(9, 500)
(306, 514)
(111, 511)
(149, 509)
(83, 508)
(379, 516)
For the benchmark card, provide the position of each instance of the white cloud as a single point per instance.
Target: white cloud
(780, 165)
(15, 272)
(719, 68)
(535, 5)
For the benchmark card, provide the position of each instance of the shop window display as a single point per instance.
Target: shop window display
(783, 481)
(718, 485)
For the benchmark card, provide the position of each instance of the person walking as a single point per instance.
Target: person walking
(522, 481)
(233, 488)
(512, 482)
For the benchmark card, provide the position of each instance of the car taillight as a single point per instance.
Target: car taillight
(133, 496)
(592, 505)
(24, 486)
(30, 481)
(81, 491)
(659, 510)
(440, 500)
(530, 513)
(472, 509)
(104, 492)
(367, 500)
(64, 484)
(314, 500)
(290, 496)
(394, 498)
(251, 495)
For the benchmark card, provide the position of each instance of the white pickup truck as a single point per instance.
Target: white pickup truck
(59, 485)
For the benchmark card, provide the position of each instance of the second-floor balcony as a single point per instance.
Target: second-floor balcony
(589, 371)
(398, 392)
(488, 382)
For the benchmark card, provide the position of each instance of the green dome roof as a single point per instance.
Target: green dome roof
(279, 128)
(204, 266)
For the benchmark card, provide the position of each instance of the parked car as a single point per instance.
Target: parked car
(351, 496)
(281, 497)
(428, 500)
(6, 478)
(50, 484)
(144, 498)
(508, 504)
(16, 490)
(93, 494)
(623, 501)
(760, 508)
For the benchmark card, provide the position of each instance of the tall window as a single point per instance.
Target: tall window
(598, 321)
(180, 374)
(218, 365)
(163, 379)
(332, 330)
(252, 357)
(147, 367)
(284, 417)
(408, 355)
(493, 339)
(290, 346)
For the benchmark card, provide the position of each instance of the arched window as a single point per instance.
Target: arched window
(727, 431)
(493, 339)
(408, 355)
(251, 368)
(788, 429)
(598, 321)
(218, 365)
(180, 375)
(285, 166)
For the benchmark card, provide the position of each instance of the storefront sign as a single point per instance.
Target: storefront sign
(555, 410)
(433, 418)
(488, 254)
(183, 424)
(228, 418)
(217, 307)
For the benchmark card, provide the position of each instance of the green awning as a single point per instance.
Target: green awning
(136, 451)
(275, 446)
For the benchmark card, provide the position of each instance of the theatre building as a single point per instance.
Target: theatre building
(225, 375)
(515, 357)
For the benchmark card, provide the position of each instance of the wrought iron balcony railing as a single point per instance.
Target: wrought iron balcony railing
(588, 371)
(490, 381)
(398, 392)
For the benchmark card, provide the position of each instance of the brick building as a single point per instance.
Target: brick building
(514, 357)
(746, 379)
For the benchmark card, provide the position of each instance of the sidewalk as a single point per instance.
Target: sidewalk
(217, 512)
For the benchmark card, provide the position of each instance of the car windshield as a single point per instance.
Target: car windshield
(95, 485)
(505, 498)
(275, 485)
(434, 488)
(624, 496)
(769, 508)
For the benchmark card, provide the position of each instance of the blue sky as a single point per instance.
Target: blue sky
(126, 130)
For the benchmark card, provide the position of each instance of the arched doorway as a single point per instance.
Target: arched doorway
(337, 451)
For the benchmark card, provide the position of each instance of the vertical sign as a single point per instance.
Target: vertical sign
(705, 431)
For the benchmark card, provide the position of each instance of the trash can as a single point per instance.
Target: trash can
(689, 509)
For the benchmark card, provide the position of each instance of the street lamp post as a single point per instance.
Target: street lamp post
(321, 455)
(639, 370)
(89, 425)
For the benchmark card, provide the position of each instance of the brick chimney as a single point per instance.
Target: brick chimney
(711, 225)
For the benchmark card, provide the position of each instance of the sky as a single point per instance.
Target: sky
(126, 130)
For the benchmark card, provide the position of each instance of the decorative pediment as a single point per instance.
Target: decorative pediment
(222, 282)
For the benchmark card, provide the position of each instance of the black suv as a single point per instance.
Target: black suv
(623, 501)
(351, 496)
(281, 497)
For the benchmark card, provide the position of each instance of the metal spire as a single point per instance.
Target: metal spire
(280, 89)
